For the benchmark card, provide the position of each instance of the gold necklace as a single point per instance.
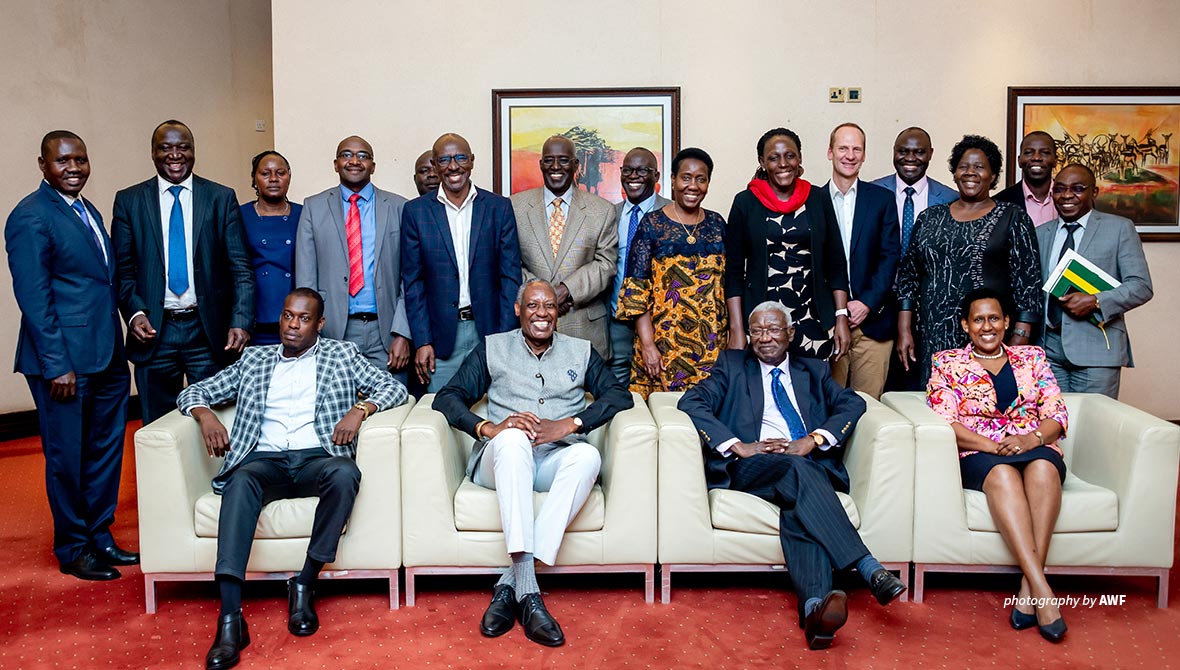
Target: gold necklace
(691, 238)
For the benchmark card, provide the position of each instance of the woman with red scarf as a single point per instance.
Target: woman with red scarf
(783, 243)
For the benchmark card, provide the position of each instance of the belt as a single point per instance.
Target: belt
(364, 316)
(465, 314)
(185, 314)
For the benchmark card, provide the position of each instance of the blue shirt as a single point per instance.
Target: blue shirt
(366, 299)
(625, 244)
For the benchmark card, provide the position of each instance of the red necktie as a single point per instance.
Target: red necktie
(356, 256)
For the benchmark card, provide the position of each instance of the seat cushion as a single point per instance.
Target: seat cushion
(477, 508)
(746, 513)
(1085, 508)
(281, 519)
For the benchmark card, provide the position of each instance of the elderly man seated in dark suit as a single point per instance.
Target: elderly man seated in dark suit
(775, 427)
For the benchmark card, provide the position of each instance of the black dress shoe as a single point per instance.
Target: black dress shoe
(1053, 632)
(90, 567)
(501, 613)
(885, 586)
(232, 637)
(1019, 620)
(539, 625)
(114, 555)
(301, 616)
(821, 625)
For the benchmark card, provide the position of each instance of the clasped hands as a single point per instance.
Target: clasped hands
(540, 431)
(1012, 445)
(774, 445)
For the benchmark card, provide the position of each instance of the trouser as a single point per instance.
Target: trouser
(265, 476)
(815, 532)
(514, 468)
(182, 351)
(865, 366)
(622, 348)
(1076, 378)
(82, 440)
(366, 335)
(466, 337)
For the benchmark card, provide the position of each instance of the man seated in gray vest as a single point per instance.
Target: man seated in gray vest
(533, 440)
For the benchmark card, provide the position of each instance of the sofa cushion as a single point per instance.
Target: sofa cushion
(281, 519)
(746, 513)
(1085, 508)
(477, 509)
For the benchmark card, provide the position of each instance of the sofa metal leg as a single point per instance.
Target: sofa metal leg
(919, 581)
(1161, 599)
(665, 584)
(394, 599)
(649, 584)
(149, 593)
(409, 587)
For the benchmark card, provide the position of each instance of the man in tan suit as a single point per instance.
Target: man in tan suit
(568, 238)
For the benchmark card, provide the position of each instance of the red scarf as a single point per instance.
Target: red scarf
(765, 194)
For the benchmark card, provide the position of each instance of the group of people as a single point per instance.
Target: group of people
(803, 295)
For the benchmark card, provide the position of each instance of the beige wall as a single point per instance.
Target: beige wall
(110, 71)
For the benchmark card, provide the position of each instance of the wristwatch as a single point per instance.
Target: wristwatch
(1040, 438)
(1020, 332)
(842, 312)
(579, 424)
(363, 407)
(819, 440)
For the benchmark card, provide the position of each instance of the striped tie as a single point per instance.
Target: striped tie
(356, 256)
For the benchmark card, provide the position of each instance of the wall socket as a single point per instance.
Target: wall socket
(259, 126)
(835, 94)
(854, 94)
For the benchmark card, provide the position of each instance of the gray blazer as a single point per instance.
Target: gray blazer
(321, 261)
(585, 260)
(1111, 243)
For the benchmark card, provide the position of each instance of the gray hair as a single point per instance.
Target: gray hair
(773, 306)
(532, 282)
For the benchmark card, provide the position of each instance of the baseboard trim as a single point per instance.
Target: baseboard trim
(19, 425)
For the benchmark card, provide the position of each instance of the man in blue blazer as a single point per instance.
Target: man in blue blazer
(70, 351)
(460, 265)
(867, 217)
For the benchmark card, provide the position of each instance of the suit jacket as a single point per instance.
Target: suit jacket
(222, 276)
(1111, 243)
(341, 371)
(65, 290)
(729, 404)
(874, 254)
(430, 275)
(585, 262)
(321, 261)
(1013, 194)
(938, 193)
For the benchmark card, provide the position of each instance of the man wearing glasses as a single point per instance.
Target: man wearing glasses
(568, 238)
(460, 265)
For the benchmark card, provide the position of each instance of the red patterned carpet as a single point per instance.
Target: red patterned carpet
(48, 620)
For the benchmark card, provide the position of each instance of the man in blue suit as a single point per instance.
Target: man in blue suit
(460, 265)
(867, 217)
(71, 354)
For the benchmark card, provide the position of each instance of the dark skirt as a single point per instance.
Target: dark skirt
(974, 468)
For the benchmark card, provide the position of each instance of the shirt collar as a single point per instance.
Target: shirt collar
(366, 193)
(919, 186)
(835, 190)
(767, 369)
(1082, 220)
(163, 184)
(1028, 194)
(442, 197)
(311, 351)
(68, 198)
(644, 207)
(565, 198)
(529, 350)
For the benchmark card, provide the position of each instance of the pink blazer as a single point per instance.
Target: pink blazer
(961, 390)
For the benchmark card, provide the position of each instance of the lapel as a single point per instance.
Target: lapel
(539, 224)
(323, 367)
(1045, 235)
(335, 205)
(1092, 228)
(201, 204)
(155, 229)
(77, 223)
(438, 216)
(802, 383)
(478, 211)
(380, 221)
(572, 224)
(975, 370)
(754, 387)
(859, 214)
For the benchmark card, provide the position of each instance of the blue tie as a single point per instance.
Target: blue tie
(177, 254)
(81, 210)
(794, 421)
(907, 218)
(633, 224)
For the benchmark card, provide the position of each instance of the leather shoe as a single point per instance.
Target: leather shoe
(501, 614)
(1019, 620)
(301, 616)
(90, 567)
(821, 625)
(114, 555)
(232, 637)
(1054, 632)
(885, 586)
(539, 625)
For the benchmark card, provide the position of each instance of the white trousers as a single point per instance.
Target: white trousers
(515, 468)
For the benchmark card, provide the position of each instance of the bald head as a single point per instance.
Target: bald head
(425, 176)
(355, 163)
(453, 161)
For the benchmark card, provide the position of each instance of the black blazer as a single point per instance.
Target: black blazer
(222, 276)
(874, 254)
(729, 403)
(746, 265)
(1013, 194)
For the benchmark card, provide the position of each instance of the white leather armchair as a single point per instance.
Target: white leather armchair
(1118, 502)
(452, 526)
(731, 531)
(178, 511)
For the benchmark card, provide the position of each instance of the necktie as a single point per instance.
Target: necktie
(356, 256)
(81, 210)
(1055, 306)
(794, 421)
(177, 253)
(556, 226)
(907, 218)
(632, 225)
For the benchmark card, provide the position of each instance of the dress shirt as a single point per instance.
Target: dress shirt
(1040, 211)
(365, 300)
(1059, 242)
(625, 243)
(189, 297)
(459, 220)
(88, 221)
(845, 206)
(921, 198)
(565, 202)
(774, 424)
(288, 418)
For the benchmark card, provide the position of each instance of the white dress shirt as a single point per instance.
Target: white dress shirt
(845, 206)
(189, 297)
(288, 418)
(774, 424)
(459, 220)
(89, 220)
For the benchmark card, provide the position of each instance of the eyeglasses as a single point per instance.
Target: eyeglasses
(460, 159)
(360, 155)
(640, 171)
(773, 331)
(550, 161)
(1076, 189)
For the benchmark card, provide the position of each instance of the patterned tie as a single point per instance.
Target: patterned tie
(81, 210)
(177, 253)
(356, 256)
(1055, 305)
(907, 218)
(794, 421)
(556, 226)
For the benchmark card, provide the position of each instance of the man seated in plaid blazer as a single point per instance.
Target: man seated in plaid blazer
(293, 436)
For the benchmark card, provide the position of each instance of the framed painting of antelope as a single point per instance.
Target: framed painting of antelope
(604, 124)
(1129, 137)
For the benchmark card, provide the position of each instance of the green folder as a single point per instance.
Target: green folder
(1075, 273)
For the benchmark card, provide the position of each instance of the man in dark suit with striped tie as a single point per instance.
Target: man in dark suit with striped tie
(775, 427)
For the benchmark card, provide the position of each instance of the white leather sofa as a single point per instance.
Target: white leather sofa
(1118, 502)
(178, 510)
(452, 526)
(723, 530)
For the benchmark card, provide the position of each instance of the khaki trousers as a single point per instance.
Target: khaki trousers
(865, 366)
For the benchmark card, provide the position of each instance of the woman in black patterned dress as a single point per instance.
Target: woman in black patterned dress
(972, 242)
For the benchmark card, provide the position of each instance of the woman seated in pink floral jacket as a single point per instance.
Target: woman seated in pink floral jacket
(1007, 413)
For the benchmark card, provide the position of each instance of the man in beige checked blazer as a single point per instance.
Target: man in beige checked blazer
(568, 238)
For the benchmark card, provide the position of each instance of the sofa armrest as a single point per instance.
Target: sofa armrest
(880, 463)
(433, 467)
(374, 542)
(629, 457)
(686, 525)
